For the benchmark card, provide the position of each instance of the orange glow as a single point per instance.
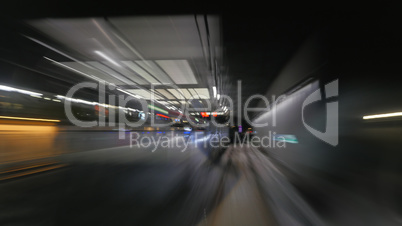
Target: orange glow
(28, 128)
(27, 142)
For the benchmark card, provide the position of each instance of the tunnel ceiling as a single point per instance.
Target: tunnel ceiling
(185, 53)
(171, 58)
(192, 46)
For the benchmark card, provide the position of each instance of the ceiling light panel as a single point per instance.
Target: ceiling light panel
(203, 93)
(186, 93)
(157, 95)
(166, 94)
(144, 93)
(176, 93)
(128, 73)
(194, 94)
(154, 69)
(137, 69)
(179, 70)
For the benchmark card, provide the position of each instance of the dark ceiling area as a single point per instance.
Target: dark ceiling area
(257, 47)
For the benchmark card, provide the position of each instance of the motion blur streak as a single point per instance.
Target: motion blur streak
(285, 118)
(387, 115)
(11, 89)
(30, 119)
(26, 142)
(107, 58)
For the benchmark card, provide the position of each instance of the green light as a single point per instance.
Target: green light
(288, 138)
(157, 109)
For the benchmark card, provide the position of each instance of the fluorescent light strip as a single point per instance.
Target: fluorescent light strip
(387, 115)
(214, 90)
(77, 100)
(107, 58)
(30, 119)
(11, 89)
